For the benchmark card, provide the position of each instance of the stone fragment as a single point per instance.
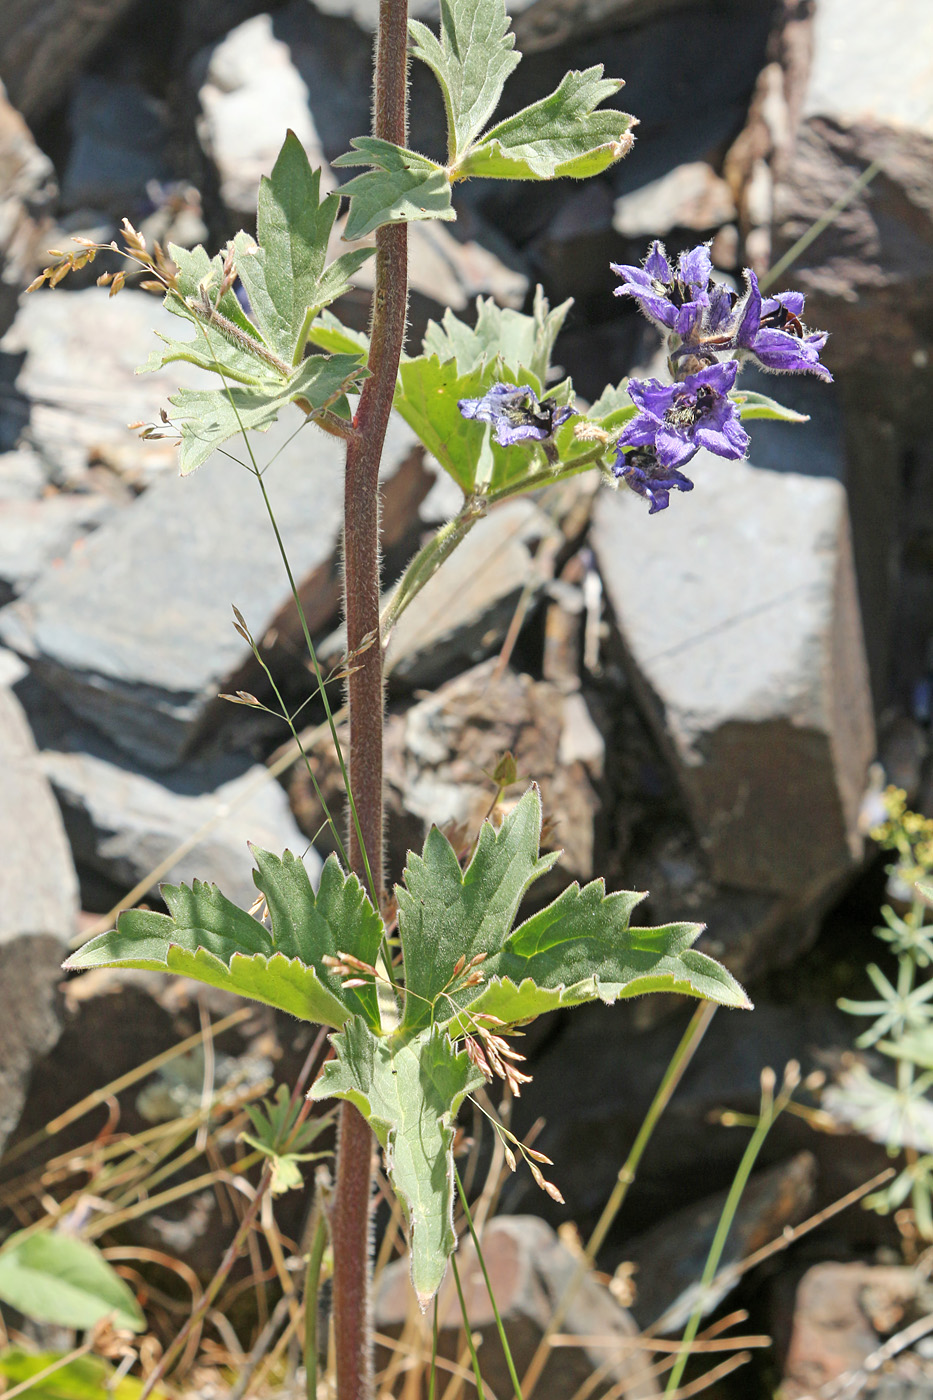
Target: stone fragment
(529, 1269)
(37, 534)
(740, 619)
(841, 1316)
(78, 382)
(27, 194)
(691, 196)
(125, 823)
(43, 44)
(38, 911)
(22, 476)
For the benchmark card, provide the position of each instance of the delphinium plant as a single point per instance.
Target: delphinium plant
(899, 1115)
(422, 992)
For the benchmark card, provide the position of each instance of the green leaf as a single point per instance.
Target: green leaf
(752, 405)
(426, 397)
(446, 912)
(472, 60)
(403, 188)
(512, 336)
(294, 226)
(206, 937)
(80, 1378)
(331, 335)
(54, 1277)
(409, 1091)
(561, 135)
(612, 408)
(309, 926)
(209, 417)
(278, 1138)
(579, 948)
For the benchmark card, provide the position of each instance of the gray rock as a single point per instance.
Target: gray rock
(36, 534)
(80, 351)
(740, 618)
(43, 44)
(38, 885)
(134, 632)
(38, 911)
(27, 193)
(252, 94)
(120, 132)
(124, 823)
(529, 1269)
(691, 196)
(866, 98)
(22, 476)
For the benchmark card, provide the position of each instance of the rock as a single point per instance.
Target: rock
(36, 534)
(529, 1269)
(22, 476)
(124, 823)
(251, 95)
(692, 196)
(27, 182)
(842, 1314)
(78, 384)
(669, 1258)
(749, 661)
(866, 98)
(38, 911)
(134, 632)
(120, 134)
(463, 612)
(43, 44)
(40, 890)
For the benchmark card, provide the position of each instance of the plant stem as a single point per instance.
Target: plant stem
(350, 1217)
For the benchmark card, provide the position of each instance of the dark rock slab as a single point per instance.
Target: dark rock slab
(740, 618)
(124, 823)
(27, 193)
(43, 44)
(670, 1257)
(120, 137)
(134, 633)
(529, 1269)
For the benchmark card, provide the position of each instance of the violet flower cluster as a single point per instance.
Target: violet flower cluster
(709, 330)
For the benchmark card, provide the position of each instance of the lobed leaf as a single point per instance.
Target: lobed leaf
(55, 1277)
(205, 936)
(561, 135)
(446, 912)
(409, 1090)
(209, 417)
(499, 332)
(402, 188)
(471, 60)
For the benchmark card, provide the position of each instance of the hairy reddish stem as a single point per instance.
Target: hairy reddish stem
(350, 1214)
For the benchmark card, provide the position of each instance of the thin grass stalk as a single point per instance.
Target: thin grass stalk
(516, 1384)
(467, 1332)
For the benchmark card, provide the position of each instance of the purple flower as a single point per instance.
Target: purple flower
(642, 471)
(516, 413)
(676, 420)
(675, 301)
(770, 330)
